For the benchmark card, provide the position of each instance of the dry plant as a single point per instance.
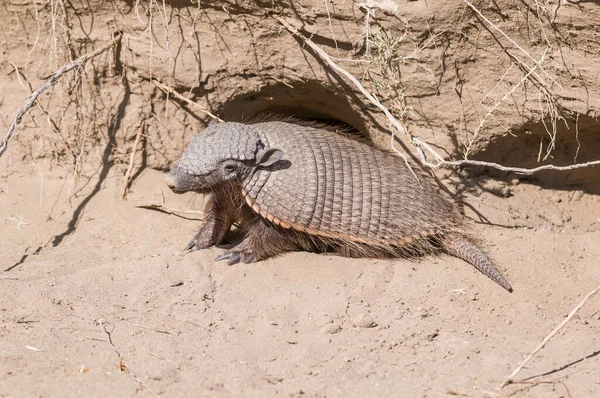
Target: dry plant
(380, 48)
(387, 78)
(79, 95)
(51, 80)
(533, 72)
(84, 113)
(424, 150)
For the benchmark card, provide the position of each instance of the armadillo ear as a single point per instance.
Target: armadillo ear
(268, 157)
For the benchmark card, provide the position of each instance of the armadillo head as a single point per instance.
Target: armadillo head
(224, 153)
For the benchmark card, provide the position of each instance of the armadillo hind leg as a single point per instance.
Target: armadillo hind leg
(212, 232)
(263, 240)
(463, 248)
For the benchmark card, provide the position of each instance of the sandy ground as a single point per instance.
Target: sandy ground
(96, 300)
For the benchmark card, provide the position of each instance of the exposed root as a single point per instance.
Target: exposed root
(51, 80)
(537, 64)
(180, 97)
(127, 176)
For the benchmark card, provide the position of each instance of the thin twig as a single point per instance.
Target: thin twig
(138, 136)
(531, 384)
(165, 359)
(552, 334)
(180, 97)
(50, 82)
(163, 207)
(122, 367)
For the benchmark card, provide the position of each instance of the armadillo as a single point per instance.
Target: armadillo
(293, 187)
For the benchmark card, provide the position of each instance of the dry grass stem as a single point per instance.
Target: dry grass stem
(180, 97)
(165, 359)
(51, 80)
(493, 108)
(509, 379)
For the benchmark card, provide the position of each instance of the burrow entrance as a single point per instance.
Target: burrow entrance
(577, 140)
(302, 100)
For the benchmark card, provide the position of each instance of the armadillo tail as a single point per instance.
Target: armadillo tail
(466, 250)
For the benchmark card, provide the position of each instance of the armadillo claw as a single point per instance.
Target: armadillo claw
(249, 258)
(232, 257)
(235, 257)
(191, 247)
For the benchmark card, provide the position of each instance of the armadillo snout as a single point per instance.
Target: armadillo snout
(180, 181)
(175, 180)
(171, 182)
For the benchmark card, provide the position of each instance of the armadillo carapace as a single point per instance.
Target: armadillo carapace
(294, 187)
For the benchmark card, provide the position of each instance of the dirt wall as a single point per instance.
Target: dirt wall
(474, 80)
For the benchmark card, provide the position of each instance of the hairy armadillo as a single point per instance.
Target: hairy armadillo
(294, 187)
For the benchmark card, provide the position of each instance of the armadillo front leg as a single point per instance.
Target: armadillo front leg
(218, 222)
(263, 240)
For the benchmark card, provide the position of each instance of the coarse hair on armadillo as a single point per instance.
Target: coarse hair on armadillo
(335, 126)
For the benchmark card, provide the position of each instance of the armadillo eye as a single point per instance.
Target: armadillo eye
(229, 168)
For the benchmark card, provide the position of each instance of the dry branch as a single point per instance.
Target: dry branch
(517, 170)
(180, 97)
(421, 145)
(508, 380)
(50, 81)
